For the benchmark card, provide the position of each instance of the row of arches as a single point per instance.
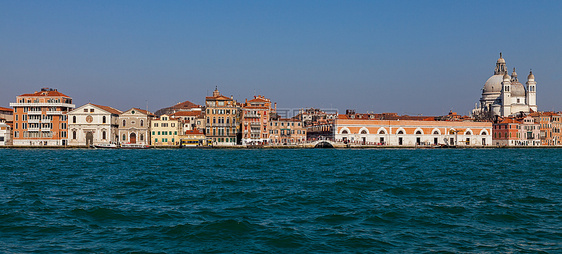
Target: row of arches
(402, 131)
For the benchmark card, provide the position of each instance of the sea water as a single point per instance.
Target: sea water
(280, 201)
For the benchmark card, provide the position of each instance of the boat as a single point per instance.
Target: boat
(134, 146)
(105, 146)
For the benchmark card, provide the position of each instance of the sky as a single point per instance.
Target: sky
(408, 57)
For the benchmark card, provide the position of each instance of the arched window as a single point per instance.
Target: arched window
(142, 123)
(74, 120)
(418, 132)
(400, 132)
(382, 132)
(74, 135)
(103, 121)
(468, 133)
(124, 122)
(363, 132)
(344, 132)
(435, 133)
(103, 135)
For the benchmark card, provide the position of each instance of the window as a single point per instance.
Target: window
(74, 135)
(142, 137)
(124, 137)
(74, 119)
(418, 132)
(400, 132)
(124, 122)
(103, 121)
(103, 134)
(344, 132)
(85, 110)
(17, 117)
(141, 123)
(91, 110)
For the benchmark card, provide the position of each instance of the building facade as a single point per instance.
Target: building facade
(412, 132)
(165, 131)
(255, 115)
(5, 133)
(93, 124)
(503, 95)
(222, 119)
(517, 132)
(40, 118)
(285, 131)
(134, 126)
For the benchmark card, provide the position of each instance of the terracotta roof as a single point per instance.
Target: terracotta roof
(258, 99)
(185, 105)
(141, 110)
(109, 109)
(187, 113)
(218, 98)
(52, 93)
(255, 107)
(193, 132)
(6, 109)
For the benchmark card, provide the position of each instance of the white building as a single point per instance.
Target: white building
(93, 124)
(134, 126)
(412, 132)
(5, 133)
(503, 95)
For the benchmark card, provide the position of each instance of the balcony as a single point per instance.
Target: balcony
(45, 129)
(46, 121)
(34, 121)
(255, 123)
(54, 112)
(251, 115)
(66, 105)
(34, 112)
(34, 129)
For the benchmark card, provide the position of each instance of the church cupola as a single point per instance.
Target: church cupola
(216, 93)
(514, 76)
(501, 69)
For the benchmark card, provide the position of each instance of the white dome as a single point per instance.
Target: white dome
(517, 89)
(494, 84)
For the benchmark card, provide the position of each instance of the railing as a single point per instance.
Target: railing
(44, 104)
(34, 112)
(252, 116)
(34, 121)
(33, 129)
(54, 112)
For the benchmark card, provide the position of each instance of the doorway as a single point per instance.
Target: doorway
(133, 138)
(89, 138)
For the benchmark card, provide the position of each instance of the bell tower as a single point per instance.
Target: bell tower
(531, 91)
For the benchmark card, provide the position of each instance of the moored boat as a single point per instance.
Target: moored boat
(105, 146)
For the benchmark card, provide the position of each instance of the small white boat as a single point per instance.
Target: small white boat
(134, 146)
(104, 146)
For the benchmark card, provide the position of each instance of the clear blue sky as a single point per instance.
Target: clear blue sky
(409, 57)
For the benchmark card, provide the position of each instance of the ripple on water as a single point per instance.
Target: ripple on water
(281, 201)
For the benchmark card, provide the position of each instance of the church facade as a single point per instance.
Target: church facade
(503, 95)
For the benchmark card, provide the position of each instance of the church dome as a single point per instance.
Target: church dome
(517, 89)
(494, 84)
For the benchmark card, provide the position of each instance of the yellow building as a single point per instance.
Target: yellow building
(165, 131)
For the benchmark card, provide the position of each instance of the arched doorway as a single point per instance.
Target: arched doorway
(89, 138)
(133, 138)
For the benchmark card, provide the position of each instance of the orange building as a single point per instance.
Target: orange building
(517, 132)
(40, 118)
(254, 117)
